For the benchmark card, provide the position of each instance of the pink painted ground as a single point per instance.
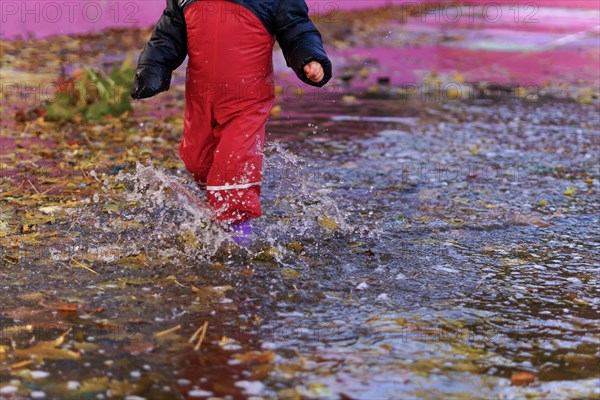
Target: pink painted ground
(553, 45)
(514, 42)
(43, 18)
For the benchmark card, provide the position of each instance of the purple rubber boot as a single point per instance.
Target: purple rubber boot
(241, 233)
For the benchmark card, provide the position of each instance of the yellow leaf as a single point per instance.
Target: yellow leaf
(328, 223)
(86, 346)
(453, 93)
(139, 260)
(319, 390)
(94, 385)
(33, 297)
(46, 351)
(348, 99)
(589, 181)
(289, 273)
(121, 388)
(276, 111)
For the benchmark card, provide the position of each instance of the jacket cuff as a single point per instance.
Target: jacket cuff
(151, 80)
(327, 69)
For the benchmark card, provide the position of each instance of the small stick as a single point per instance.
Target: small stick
(195, 335)
(177, 283)
(9, 261)
(13, 190)
(82, 265)
(72, 225)
(59, 340)
(166, 332)
(21, 364)
(33, 186)
(202, 335)
(59, 184)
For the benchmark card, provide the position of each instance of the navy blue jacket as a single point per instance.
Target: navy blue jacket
(288, 20)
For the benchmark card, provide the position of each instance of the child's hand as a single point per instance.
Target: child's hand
(314, 71)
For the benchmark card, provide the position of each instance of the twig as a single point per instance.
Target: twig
(59, 340)
(54, 187)
(177, 283)
(195, 335)
(82, 265)
(72, 225)
(202, 335)
(8, 260)
(87, 139)
(33, 186)
(166, 332)
(21, 364)
(13, 190)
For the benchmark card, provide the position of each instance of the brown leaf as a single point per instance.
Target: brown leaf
(521, 378)
(70, 307)
(139, 348)
(255, 357)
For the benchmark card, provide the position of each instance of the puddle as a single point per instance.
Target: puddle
(432, 255)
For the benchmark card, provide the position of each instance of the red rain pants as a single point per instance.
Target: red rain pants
(229, 96)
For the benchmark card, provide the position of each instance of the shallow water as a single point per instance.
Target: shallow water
(426, 251)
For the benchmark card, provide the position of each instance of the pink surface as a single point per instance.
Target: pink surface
(48, 17)
(553, 44)
(409, 65)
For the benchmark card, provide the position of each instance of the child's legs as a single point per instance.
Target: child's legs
(233, 187)
(198, 143)
(230, 61)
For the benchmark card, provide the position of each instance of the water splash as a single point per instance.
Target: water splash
(163, 215)
(300, 204)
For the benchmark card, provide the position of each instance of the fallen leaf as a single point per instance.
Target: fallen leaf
(139, 260)
(98, 384)
(295, 246)
(33, 297)
(529, 219)
(121, 388)
(254, 356)
(46, 350)
(276, 111)
(289, 273)
(521, 378)
(50, 209)
(328, 223)
(72, 307)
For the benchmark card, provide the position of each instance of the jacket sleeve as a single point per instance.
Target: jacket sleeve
(165, 51)
(300, 40)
